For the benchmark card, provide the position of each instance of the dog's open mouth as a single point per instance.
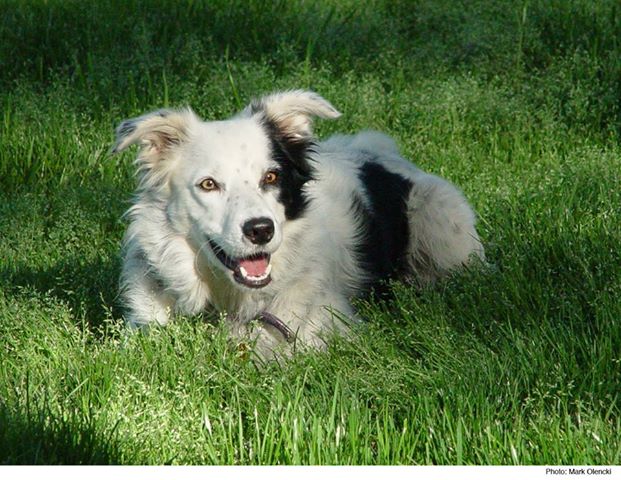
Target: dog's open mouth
(252, 271)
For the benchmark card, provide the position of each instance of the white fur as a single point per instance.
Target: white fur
(169, 266)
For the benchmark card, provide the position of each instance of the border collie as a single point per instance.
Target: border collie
(275, 229)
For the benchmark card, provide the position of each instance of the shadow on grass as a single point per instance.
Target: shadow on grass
(77, 38)
(88, 288)
(28, 438)
(64, 243)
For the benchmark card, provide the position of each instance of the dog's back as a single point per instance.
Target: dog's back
(412, 225)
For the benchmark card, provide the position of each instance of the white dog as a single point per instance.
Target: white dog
(278, 231)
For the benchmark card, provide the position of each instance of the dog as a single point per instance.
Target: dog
(255, 217)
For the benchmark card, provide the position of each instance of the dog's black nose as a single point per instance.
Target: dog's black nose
(259, 230)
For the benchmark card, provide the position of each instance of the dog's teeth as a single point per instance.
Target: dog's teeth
(244, 273)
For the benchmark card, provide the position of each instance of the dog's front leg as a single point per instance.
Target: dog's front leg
(146, 301)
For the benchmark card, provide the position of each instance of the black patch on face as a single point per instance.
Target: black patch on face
(385, 222)
(291, 154)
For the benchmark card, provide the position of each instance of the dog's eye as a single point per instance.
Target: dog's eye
(270, 178)
(208, 184)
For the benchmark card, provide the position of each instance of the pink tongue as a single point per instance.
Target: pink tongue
(255, 267)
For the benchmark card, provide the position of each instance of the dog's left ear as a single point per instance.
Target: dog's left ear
(292, 112)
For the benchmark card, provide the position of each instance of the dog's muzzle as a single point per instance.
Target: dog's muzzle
(252, 271)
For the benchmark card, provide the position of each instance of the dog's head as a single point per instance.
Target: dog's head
(229, 186)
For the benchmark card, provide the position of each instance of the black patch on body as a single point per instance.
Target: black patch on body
(384, 246)
(291, 154)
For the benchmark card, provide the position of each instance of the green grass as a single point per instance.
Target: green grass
(516, 102)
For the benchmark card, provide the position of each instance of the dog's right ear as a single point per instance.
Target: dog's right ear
(156, 132)
(292, 112)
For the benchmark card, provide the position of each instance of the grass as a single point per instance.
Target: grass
(516, 102)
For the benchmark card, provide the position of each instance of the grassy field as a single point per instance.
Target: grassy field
(518, 102)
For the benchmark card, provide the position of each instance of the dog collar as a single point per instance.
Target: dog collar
(277, 323)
